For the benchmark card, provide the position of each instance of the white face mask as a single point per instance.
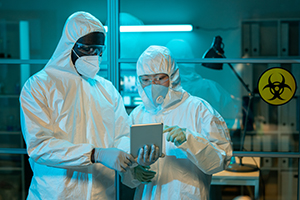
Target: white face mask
(156, 93)
(88, 66)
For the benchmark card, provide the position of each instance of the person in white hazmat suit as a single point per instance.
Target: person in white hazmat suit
(74, 122)
(196, 139)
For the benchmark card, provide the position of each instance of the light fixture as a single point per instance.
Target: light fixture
(216, 51)
(156, 28)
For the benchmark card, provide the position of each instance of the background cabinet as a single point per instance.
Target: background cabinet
(270, 38)
(275, 128)
(12, 77)
(11, 165)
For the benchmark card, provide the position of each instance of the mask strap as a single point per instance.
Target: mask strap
(75, 53)
(75, 65)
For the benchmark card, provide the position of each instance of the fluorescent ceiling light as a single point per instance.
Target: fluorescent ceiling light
(155, 28)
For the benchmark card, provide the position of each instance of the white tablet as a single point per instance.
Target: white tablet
(142, 134)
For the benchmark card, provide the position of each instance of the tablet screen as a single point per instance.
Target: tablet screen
(145, 134)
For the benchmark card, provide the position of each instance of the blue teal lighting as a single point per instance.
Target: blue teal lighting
(156, 28)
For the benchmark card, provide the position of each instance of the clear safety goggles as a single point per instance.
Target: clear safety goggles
(157, 79)
(90, 49)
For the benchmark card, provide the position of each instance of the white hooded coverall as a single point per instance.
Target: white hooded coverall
(64, 116)
(186, 171)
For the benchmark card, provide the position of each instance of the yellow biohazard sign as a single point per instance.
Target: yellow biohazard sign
(277, 86)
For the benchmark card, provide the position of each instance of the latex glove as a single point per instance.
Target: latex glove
(175, 135)
(143, 174)
(113, 158)
(147, 155)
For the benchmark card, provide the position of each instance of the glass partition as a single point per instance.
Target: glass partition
(248, 30)
(271, 132)
(254, 125)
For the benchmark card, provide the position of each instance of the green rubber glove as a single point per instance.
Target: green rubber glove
(143, 174)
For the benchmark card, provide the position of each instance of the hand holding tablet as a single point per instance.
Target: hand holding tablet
(147, 155)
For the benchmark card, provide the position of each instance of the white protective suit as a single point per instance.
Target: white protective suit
(186, 171)
(64, 117)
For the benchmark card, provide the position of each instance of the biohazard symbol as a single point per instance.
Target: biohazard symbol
(277, 86)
